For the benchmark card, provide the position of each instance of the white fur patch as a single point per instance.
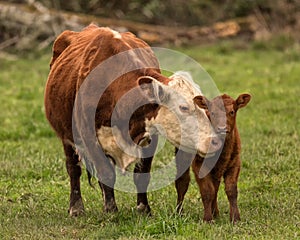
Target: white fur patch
(116, 34)
(183, 81)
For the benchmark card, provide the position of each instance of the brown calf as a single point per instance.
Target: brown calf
(222, 113)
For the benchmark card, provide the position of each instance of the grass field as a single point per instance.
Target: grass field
(34, 187)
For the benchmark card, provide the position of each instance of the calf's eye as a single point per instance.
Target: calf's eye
(232, 113)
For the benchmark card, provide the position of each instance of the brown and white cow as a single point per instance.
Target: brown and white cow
(222, 112)
(88, 88)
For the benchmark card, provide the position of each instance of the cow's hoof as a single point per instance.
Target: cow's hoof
(110, 207)
(144, 209)
(77, 209)
(209, 221)
(179, 210)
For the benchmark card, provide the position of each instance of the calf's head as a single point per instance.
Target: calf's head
(222, 110)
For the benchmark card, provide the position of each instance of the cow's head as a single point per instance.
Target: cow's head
(179, 119)
(222, 110)
(107, 137)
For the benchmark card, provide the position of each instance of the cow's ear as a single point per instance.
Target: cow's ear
(243, 100)
(201, 102)
(153, 89)
(61, 43)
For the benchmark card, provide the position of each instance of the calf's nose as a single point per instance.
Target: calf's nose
(221, 129)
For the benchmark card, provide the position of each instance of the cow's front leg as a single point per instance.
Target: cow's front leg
(183, 161)
(141, 179)
(74, 170)
(142, 176)
(107, 179)
(108, 197)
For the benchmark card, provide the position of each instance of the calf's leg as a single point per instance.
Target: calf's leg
(215, 209)
(207, 192)
(207, 189)
(230, 179)
(74, 170)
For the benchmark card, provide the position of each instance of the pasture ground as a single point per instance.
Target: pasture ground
(34, 187)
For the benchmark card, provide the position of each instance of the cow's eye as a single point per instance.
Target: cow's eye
(232, 113)
(184, 108)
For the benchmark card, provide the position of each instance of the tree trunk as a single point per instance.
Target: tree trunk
(27, 26)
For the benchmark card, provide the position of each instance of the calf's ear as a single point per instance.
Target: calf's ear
(243, 100)
(153, 89)
(201, 102)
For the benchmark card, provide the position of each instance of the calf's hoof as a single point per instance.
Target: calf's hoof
(77, 209)
(235, 219)
(143, 209)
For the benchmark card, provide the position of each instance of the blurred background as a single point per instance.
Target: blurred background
(27, 24)
(248, 46)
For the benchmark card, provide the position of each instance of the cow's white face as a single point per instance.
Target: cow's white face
(184, 124)
(107, 137)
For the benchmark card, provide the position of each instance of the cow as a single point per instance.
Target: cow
(105, 89)
(222, 112)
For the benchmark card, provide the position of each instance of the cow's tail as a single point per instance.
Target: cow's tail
(89, 175)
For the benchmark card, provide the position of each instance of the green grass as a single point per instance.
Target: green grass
(34, 185)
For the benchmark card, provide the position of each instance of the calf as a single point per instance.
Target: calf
(222, 112)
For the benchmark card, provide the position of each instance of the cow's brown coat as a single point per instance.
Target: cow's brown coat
(84, 51)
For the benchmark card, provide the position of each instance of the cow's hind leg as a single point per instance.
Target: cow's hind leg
(74, 170)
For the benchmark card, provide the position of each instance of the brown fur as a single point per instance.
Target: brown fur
(75, 55)
(227, 166)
